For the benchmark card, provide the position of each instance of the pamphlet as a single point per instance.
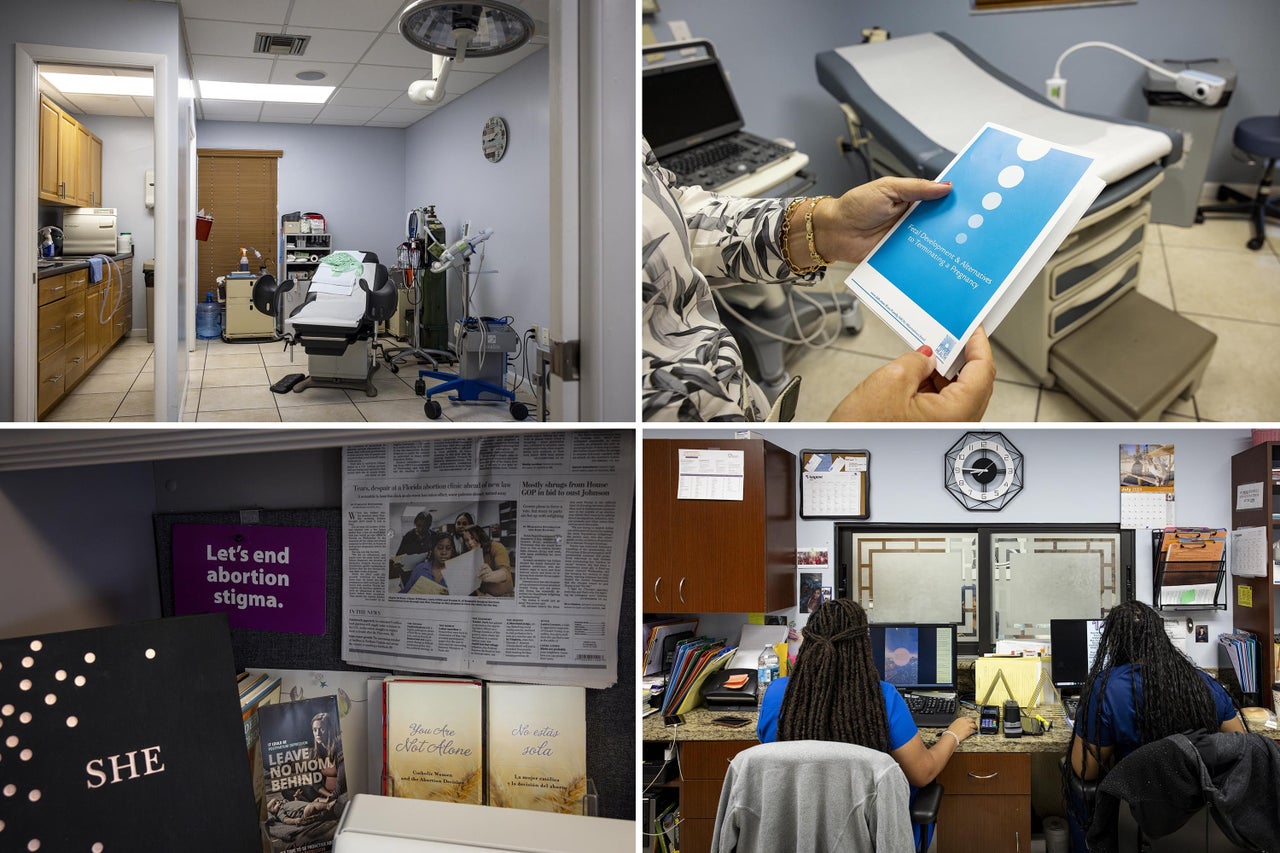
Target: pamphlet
(963, 260)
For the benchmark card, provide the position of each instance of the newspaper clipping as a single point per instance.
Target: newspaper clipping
(500, 557)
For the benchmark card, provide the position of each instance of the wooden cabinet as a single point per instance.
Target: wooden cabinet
(719, 556)
(70, 159)
(703, 765)
(986, 804)
(49, 117)
(73, 335)
(1255, 502)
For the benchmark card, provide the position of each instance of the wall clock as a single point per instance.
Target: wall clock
(493, 139)
(983, 471)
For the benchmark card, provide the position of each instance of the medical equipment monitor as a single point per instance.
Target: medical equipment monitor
(687, 104)
(1073, 644)
(916, 656)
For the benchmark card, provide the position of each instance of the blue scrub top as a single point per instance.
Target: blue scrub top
(901, 727)
(1118, 723)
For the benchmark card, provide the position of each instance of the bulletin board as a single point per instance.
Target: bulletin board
(611, 713)
(835, 484)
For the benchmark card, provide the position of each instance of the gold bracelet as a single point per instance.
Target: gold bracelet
(817, 259)
(784, 236)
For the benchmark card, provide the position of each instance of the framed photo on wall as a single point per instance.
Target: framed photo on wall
(835, 484)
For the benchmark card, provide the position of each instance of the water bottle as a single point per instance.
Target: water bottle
(775, 665)
(764, 670)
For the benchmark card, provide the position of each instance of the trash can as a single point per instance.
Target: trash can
(1175, 200)
(149, 279)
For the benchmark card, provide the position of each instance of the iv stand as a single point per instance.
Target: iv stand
(395, 355)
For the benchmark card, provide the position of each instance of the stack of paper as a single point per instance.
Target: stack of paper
(655, 640)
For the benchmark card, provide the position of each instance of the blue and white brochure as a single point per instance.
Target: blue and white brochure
(953, 263)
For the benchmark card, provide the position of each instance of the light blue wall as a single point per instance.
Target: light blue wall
(128, 150)
(355, 176)
(123, 25)
(769, 49)
(1071, 477)
(445, 167)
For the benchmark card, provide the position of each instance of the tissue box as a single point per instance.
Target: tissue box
(293, 227)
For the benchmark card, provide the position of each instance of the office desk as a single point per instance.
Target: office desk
(987, 784)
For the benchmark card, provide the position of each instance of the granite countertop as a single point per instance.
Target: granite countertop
(68, 264)
(698, 726)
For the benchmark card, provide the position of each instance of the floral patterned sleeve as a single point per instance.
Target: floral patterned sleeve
(692, 239)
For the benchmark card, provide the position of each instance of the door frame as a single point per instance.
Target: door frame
(26, 203)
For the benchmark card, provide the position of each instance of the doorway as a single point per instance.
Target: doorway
(169, 362)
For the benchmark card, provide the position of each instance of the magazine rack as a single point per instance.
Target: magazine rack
(1187, 561)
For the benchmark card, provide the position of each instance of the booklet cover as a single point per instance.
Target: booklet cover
(954, 263)
(537, 747)
(434, 739)
(304, 773)
(125, 738)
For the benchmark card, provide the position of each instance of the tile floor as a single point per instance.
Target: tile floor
(1203, 272)
(230, 382)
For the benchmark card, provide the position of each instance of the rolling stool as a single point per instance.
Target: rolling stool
(1260, 137)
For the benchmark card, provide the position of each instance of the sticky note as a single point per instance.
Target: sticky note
(1244, 595)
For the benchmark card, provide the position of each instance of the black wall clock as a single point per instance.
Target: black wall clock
(983, 471)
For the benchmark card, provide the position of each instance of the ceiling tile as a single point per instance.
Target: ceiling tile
(147, 105)
(367, 15)
(392, 49)
(347, 115)
(286, 69)
(376, 123)
(108, 105)
(253, 11)
(231, 110)
(348, 97)
(231, 69)
(384, 77)
(334, 45)
(218, 38)
(407, 117)
(290, 112)
(403, 102)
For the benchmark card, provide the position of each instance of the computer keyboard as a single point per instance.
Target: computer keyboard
(931, 710)
(715, 163)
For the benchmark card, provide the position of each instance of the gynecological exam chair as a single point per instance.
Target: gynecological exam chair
(336, 325)
(912, 102)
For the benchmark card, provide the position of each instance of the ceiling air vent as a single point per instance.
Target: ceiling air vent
(280, 44)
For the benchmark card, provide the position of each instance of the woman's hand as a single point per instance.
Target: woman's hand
(494, 575)
(963, 727)
(848, 227)
(908, 389)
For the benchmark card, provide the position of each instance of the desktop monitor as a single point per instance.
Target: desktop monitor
(915, 656)
(1073, 644)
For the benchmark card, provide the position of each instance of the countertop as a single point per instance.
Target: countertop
(72, 264)
(698, 726)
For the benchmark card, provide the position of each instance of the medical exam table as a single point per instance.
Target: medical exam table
(911, 103)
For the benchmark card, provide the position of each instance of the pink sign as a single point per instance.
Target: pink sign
(266, 578)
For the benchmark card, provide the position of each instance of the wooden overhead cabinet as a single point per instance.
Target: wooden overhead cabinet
(719, 556)
(70, 159)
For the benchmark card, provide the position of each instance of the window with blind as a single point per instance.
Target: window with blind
(1029, 5)
(237, 189)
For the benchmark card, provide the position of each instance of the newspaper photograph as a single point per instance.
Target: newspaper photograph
(500, 556)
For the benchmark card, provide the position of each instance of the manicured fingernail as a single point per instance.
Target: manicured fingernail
(945, 183)
(925, 350)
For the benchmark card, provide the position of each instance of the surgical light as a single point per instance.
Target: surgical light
(1197, 85)
(458, 30)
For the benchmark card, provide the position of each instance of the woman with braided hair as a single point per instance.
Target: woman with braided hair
(836, 694)
(1139, 689)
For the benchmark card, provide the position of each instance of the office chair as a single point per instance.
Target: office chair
(813, 796)
(1258, 137)
(1236, 775)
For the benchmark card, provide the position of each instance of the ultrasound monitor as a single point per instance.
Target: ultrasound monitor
(1073, 646)
(915, 656)
(686, 104)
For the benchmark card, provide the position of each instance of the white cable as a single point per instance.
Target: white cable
(807, 340)
(1057, 68)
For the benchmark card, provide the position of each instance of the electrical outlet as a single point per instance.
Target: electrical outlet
(544, 336)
